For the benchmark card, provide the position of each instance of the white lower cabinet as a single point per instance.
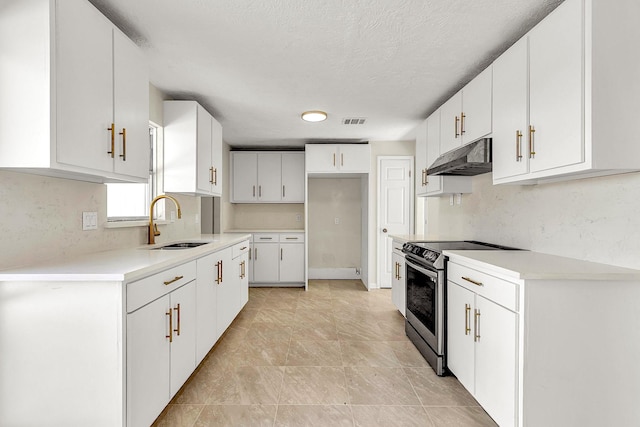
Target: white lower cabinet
(277, 258)
(399, 281)
(482, 342)
(207, 297)
(161, 345)
(228, 292)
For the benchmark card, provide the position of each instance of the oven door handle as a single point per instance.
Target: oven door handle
(422, 270)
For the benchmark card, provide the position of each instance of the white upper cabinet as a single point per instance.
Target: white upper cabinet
(466, 116)
(510, 120)
(192, 150)
(438, 185)
(421, 159)
(84, 100)
(582, 61)
(267, 177)
(293, 177)
(340, 158)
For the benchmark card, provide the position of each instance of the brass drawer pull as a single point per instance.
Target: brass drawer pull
(175, 279)
(467, 323)
(476, 336)
(518, 146)
(472, 281)
(532, 147)
(457, 120)
(113, 139)
(462, 117)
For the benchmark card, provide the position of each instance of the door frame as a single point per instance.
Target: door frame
(412, 198)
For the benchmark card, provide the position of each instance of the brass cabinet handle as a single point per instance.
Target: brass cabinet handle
(532, 149)
(215, 176)
(259, 190)
(518, 146)
(124, 144)
(242, 270)
(170, 314)
(467, 323)
(113, 139)
(211, 175)
(462, 117)
(175, 279)
(254, 191)
(456, 121)
(472, 281)
(334, 159)
(177, 330)
(266, 238)
(281, 254)
(283, 192)
(476, 324)
(341, 159)
(291, 238)
(218, 272)
(255, 255)
(243, 248)
(249, 254)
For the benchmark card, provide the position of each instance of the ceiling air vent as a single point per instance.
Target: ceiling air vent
(354, 121)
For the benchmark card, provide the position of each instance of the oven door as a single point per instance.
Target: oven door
(425, 304)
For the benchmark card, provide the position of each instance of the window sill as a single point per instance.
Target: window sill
(128, 224)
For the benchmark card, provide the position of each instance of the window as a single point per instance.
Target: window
(130, 202)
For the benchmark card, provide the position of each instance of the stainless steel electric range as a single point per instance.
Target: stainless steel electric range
(426, 278)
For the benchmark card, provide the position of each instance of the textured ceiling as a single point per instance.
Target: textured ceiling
(256, 65)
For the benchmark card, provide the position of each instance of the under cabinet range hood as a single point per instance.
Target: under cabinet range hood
(471, 159)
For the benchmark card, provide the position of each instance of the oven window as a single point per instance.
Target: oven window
(422, 298)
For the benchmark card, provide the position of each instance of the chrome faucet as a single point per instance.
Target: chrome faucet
(153, 228)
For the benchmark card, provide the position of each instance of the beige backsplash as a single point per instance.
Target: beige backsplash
(42, 219)
(250, 216)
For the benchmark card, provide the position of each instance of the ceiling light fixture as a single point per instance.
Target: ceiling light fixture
(314, 116)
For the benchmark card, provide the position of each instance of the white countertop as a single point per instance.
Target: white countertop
(404, 238)
(267, 230)
(122, 265)
(526, 265)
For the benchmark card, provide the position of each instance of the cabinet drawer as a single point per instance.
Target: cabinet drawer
(146, 290)
(497, 290)
(240, 248)
(397, 245)
(265, 237)
(291, 237)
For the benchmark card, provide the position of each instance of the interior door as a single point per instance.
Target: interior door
(395, 209)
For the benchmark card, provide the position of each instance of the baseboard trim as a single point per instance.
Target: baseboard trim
(348, 273)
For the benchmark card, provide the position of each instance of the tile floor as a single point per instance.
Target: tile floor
(335, 355)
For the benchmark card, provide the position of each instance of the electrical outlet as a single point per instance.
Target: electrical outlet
(336, 220)
(298, 217)
(89, 221)
(458, 199)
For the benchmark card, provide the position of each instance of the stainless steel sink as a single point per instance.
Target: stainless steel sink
(181, 245)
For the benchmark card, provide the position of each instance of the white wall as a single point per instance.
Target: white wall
(42, 216)
(595, 219)
(335, 245)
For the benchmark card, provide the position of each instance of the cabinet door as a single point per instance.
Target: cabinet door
(398, 283)
(250, 273)
(354, 158)
(148, 363)
(228, 293)
(450, 112)
(476, 106)
(207, 305)
(183, 348)
(266, 262)
(84, 86)
(510, 100)
(496, 361)
(242, 264)
(216, 157)
(321, 157)
(269, 177)
(460, 329)
(293, 177)
(291, 262)
(421, 158)
(131, 108)
(245, 177)
(555, 88)
(203, 158)
(433, 183)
